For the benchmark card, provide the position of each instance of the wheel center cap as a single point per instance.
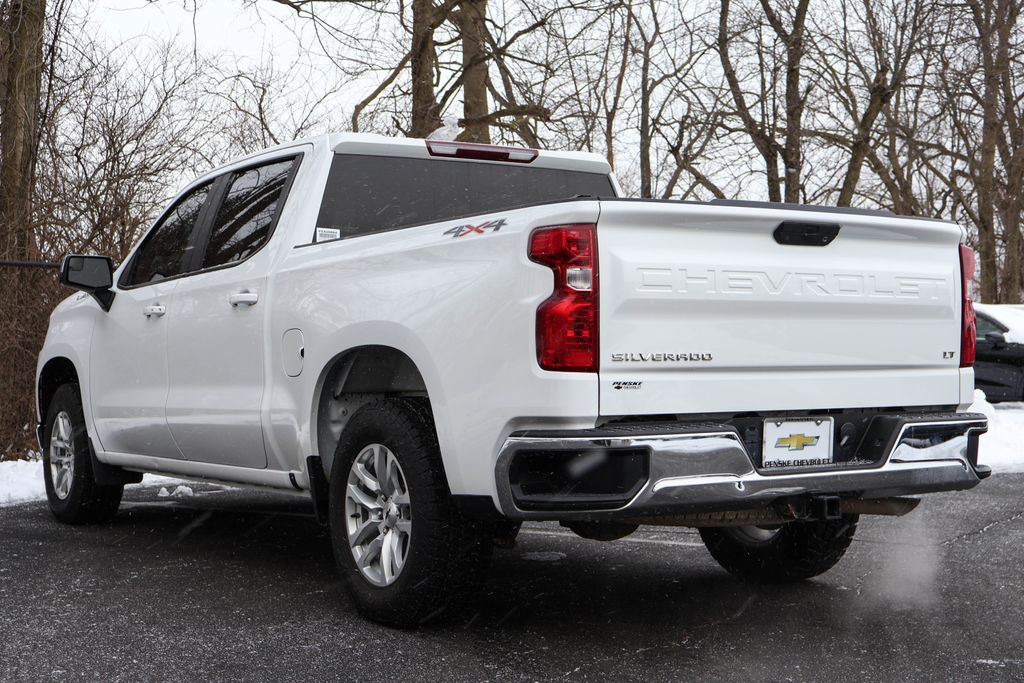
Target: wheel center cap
(390, 514)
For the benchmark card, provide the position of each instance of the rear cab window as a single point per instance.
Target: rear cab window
(367, 194)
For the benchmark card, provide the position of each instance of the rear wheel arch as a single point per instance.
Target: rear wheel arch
(358, 376)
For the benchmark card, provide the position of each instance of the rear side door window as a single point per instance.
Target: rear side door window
(165, 251)
(248, 213)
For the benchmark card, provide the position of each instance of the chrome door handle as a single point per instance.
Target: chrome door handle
(154, 311)
(246, 297)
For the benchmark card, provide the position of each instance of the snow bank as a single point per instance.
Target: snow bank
(21, 481)
(1002, 448)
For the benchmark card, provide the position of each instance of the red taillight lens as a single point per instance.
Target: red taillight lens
(969, 327)
(567, 321)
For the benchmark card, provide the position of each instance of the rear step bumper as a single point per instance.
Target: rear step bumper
(631, 471)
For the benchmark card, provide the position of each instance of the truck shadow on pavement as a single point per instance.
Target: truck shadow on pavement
(662, 579)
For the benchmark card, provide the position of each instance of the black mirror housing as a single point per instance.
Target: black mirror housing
(996, 339)
(91, 274)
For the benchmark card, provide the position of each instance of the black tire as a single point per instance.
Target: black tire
(80, 500)
(447, 554)
(796, 551)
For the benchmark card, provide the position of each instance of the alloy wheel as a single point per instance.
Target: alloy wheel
(62, 455)
(378, 514)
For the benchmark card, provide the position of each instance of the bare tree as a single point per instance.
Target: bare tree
(994, 21)
(22, 25)
(261, 106)
(863, 55)
(789, 31)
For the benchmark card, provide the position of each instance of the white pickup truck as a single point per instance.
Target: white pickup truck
(438, 340)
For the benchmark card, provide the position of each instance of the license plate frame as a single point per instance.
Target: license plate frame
(800, 443)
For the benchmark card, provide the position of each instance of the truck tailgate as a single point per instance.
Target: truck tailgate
(702, 310)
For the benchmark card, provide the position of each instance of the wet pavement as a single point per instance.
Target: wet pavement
(241, 585)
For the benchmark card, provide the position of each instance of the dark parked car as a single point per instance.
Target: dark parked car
(999, 368)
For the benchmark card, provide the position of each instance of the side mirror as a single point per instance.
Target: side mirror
(91, 274)
(996, 339)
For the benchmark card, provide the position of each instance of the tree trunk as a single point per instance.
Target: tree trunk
(763, 141)
(475, 108)
(986, 19)
(612, 110)
(792, 153)
(1010, 201)
(878, 96)
(1011, 290)
(23, 24)
(426, 115)
(646, 179)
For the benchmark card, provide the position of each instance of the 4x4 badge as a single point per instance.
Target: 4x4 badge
(468, 229)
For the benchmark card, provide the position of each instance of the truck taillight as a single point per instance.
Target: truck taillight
(567, 322)
(969, 324)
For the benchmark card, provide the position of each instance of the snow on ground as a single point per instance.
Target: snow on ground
(1002, 449)
(178, 492)
(21, 481)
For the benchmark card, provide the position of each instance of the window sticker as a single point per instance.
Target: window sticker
(327, 234)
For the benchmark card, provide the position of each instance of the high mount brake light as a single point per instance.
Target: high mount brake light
(472, 150)
(969, 324)
(567, 322)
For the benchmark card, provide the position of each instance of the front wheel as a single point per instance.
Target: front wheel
(71, 490)
(790, 552)
(405, 551)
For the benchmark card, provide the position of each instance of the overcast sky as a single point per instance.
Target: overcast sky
(213, 26)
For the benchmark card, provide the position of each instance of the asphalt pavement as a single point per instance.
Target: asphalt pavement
(240, 585)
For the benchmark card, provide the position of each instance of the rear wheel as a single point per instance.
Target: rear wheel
(405, 551)
(790, 552)
(71, 489)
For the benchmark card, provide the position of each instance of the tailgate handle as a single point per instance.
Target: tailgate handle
(805, 234)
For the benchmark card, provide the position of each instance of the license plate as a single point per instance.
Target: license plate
(797, 443)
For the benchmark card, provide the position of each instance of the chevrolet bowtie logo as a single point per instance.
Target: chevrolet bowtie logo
(796, 442)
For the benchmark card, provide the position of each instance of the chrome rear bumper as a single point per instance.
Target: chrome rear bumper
(706, 467)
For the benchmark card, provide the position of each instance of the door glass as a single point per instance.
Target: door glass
(163, 252)
(985, 326)
(247, 214)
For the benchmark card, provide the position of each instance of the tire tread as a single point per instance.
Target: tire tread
(87, 502)
(455, 551)
(801, 550)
